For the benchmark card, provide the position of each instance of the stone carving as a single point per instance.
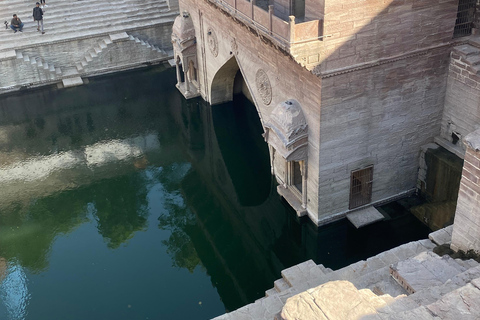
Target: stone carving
(263, 86)
(234, 46)
(212, 41)
(288, 131)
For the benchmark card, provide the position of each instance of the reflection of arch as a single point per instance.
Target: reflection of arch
(221, 89)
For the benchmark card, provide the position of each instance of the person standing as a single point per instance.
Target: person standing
(43, 4)
(16, 24)
(38, 16)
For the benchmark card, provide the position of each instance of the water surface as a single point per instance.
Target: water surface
(121, 200)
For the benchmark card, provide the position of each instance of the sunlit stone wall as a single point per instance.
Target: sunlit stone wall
(466, 227)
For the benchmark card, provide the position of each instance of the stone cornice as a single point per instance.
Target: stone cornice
(370, 64)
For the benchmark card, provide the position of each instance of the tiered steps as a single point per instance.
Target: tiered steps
(64, 20)
(369, 286)
(76, 36)
(47, 71)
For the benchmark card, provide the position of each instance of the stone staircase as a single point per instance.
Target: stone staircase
(370, 286)
(47, 71)
(150, 46)
(81, 19)
(83, 38)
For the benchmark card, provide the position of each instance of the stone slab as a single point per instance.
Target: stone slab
(72, 82)
(119, 36)
(9, 54)
(440, 237)
(463, 303)
(292, 200)
(364, 217)
(424, 271)
(172, 63)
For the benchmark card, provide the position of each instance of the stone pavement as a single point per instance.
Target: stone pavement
(425, 286)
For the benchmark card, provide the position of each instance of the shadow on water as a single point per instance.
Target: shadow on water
(167, 195)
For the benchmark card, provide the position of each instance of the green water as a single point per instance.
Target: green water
(120, 200)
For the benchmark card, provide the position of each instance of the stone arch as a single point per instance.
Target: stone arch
(221, 89)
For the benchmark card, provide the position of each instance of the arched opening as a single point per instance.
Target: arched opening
(239, 131)
(221, 89)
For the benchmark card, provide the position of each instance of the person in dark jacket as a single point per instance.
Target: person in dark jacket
(16, 24)
(38, 16)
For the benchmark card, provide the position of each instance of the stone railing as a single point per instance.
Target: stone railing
(282, 33)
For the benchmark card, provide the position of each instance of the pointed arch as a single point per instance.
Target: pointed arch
(221, 89)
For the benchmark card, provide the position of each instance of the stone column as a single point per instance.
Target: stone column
(303, 167)
(179, 78)
(466, 227)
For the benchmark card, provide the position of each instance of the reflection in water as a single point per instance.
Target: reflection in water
(14, 292)
(146, 202)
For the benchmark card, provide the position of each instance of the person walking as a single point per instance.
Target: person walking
(16, 24)
(38, 16)
(43, 4)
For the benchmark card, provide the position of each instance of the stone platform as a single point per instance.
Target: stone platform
(364, 217)
(83, 38)
(366, 289)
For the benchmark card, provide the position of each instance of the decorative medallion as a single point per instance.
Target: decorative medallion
(234, 46)
(212, 41)
(263, 86)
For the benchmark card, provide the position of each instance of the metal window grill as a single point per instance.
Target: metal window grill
(361, 187)
(465, 14)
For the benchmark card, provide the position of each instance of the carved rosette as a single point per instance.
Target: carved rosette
(212, 41)
(264, 87)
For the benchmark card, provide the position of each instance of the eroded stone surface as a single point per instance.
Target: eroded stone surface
(333, 300)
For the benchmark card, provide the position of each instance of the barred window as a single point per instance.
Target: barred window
(361, 187)
(465, 14)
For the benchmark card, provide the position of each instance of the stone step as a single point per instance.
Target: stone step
(462, 303)
(470, 263)
(31, 38)
(473, 60)
(466, 50)
(324, 269)
(425, 270)
(302, 273)
(270, 292)
(442, 236)
(93, 9)
(280, 285)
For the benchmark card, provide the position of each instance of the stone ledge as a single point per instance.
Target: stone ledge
(292, 200)
(72, 82)
(472, 140)
(364, 217)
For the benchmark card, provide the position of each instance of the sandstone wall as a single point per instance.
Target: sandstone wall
(466, 228)
(462, 100)
(379, 116)
(359, 31)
